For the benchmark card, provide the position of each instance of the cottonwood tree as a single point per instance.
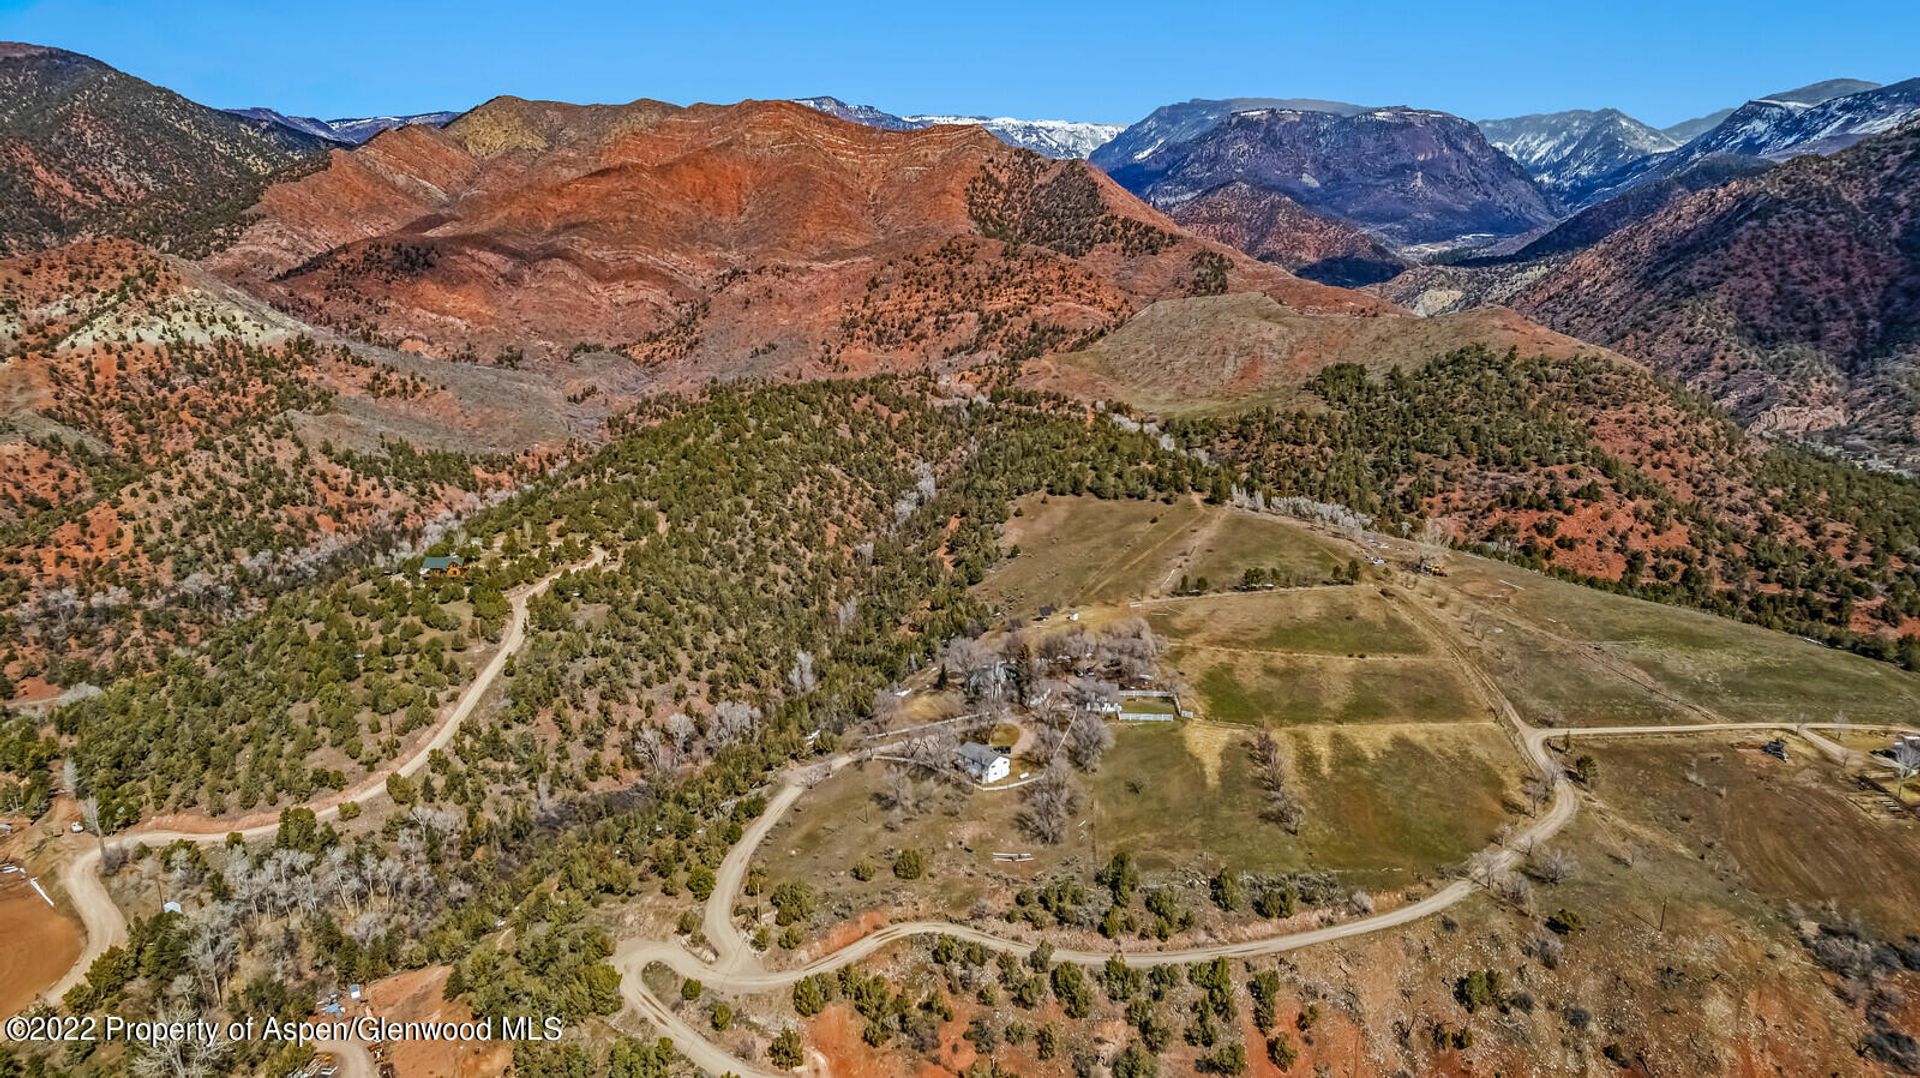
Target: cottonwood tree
(1539, 790)
(899, 796)
(974, 665)
(1133, 647)
(887, 707)
(1283, 807)
(1088, 739)
(732, 721)
(1484, 866)
(177, 1057)
(1049, 804)
(211, 950)
(801, 678)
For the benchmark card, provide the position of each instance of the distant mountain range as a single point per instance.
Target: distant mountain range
(1789, 293)
(1412, 176)
(758, 239)
(1059, 139)
(1421, 183)
(1170, 125)
(1792, 297)
(1783, 287)
(347, 132)
(1567, 152)
(1775, 129)
(1687, 130)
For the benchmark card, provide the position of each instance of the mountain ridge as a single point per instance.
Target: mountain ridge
(1413, 176)
(1059, 139)
(86, 150)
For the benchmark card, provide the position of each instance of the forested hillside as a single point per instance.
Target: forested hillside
(754, 536)
(172, 452)
(1596, 470)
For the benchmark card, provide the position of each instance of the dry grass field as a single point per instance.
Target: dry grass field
(1572, 656)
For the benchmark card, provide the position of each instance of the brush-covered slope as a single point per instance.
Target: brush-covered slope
(171, 449)
(1228, 353)
(1593, 467)
(1274, 228)
(1792, 298)
(86, 150)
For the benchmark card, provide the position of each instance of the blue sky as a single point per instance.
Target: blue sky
(1113, 61)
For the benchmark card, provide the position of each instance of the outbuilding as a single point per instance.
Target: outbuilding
(451, 565)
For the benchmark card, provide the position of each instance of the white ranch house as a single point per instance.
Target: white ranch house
(985, 764)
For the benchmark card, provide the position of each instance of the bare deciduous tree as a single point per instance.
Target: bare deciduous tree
(1513, 889)
(732, 721)
(1553, 866)
(211, 951)
(1484, 866)
(1049, 804)
(182, 1057)
(1088, 739)
(1283, 807)
(801, 679)
(1548, 948)
(1539, 790)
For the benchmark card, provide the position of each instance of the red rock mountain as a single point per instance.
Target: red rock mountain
(723, 241)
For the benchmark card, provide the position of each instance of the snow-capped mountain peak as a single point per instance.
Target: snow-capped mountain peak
(1567, 152)
(866, 115)
(350, 131)
(1050, 138)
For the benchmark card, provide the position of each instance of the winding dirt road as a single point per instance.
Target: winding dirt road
(107, 927)
(737, 968)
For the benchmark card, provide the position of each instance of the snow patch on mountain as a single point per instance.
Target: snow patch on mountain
(359, 129)
(866, 115)
(1566, 152)
(1170, 125)
(350, 131)
(1050, 138)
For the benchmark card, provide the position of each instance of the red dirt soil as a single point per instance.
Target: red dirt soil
(37, 944)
